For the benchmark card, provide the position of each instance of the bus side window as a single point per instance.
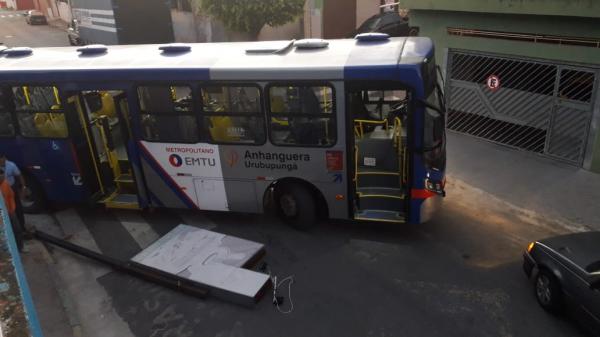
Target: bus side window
(167, 114)
(7, 126)
(233, 114)
(302, 115)
(39, 112)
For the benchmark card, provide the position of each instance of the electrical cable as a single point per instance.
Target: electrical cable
(291, 279)
(277, 285)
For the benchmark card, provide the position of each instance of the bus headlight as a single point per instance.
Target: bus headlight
(435, 186)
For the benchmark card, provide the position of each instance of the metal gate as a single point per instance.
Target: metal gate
(532, 105)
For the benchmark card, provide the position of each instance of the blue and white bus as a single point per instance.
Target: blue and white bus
(347, 129)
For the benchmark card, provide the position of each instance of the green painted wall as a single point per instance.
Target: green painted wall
(434, 24)
(581, 8)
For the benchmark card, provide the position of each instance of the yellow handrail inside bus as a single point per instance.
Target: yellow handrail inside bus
(89, 141)
(113, 159)
(56, 96)
(26, 94)
(359, 122)
(402, 152)
(355, 165)
(398, 134)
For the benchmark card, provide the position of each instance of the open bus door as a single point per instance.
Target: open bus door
(104, 118)
(379, 153)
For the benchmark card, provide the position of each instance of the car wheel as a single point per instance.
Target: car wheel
(547, 291)
(297, 206)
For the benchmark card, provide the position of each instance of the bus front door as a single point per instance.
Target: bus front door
(104, 116)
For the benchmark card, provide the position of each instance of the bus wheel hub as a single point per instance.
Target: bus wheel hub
(288, 205)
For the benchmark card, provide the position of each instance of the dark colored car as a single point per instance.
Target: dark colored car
(35, 18)
(390, 23)
(565, 271)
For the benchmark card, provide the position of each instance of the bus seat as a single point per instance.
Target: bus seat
(108, 105)
(218, 129)
(277, 104)
(49, 125)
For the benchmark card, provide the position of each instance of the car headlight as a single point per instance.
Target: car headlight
(530, 247)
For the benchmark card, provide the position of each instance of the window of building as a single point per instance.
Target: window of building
(233, 114)
(526, 37)
(7, 125)
(167, 114)
(39, 112)
(302, 115)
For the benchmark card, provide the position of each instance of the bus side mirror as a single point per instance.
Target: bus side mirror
(431, 106)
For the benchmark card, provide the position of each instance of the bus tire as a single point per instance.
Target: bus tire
(297, 206)
(35, 201)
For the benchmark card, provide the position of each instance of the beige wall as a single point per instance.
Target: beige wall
(313, 22)
(365, 9)
(184, 26)
(291, 30)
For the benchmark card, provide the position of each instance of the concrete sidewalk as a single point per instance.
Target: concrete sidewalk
(549, 189)
(58, 23)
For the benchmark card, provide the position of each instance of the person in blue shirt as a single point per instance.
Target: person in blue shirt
(14, 177)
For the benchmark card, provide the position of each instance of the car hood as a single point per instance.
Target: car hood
(581, 248)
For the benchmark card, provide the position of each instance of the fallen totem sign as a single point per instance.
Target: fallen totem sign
(192, 260)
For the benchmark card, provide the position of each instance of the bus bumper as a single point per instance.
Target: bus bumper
(429, 207)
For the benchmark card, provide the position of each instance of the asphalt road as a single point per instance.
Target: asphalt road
(459, 275)
(15, 32)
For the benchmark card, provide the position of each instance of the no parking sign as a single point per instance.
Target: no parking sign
(493, 82)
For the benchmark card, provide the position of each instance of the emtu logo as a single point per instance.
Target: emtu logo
(175, 160)
(232, 158)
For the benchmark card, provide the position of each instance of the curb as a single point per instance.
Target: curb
(66, 302)
(533, 217)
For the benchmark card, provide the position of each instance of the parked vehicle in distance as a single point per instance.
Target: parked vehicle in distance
(73, 34)
(114, 22)
(35, 18)
(565, 271)
(390, 23)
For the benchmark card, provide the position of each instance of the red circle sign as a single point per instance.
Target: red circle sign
(493, 82)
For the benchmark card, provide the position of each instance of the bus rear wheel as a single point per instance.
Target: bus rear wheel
(297, 207)
(33, 201)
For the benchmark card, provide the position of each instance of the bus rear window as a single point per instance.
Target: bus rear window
(302, 116)
(233, 114)
(167, 114)
(39, 112)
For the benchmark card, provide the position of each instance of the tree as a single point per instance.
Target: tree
(250, 16)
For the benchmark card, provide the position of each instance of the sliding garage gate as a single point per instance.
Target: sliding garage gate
(531, 105)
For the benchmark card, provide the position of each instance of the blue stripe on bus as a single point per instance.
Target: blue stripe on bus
(31, 313)
(166, 178)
